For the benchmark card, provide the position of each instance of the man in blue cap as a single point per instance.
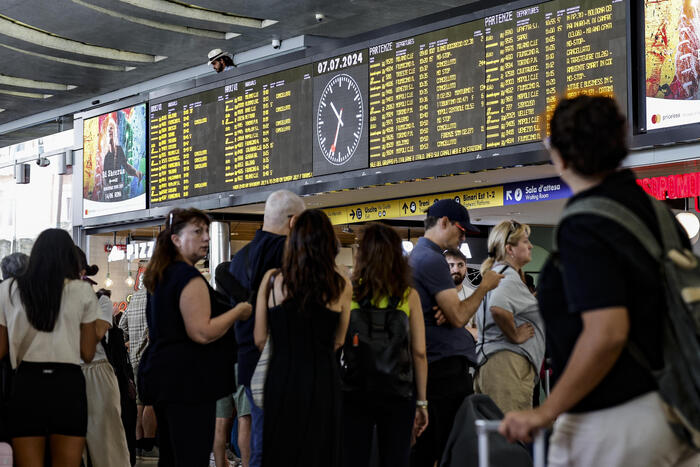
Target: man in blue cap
(448, 344)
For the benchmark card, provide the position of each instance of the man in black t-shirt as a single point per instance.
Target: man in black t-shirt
(249, 265)
(603, 290)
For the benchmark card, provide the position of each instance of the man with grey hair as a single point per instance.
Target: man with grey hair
(13, 265)
(248, 266)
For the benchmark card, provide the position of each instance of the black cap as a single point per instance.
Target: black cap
(454, 211)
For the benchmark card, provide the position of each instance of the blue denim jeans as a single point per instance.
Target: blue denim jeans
(256, 431)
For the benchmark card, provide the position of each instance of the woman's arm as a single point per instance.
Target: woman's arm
(597, 348)
(260, 330)
(195, 308)
(88, 341)
(420, 361)
(345, 303)
(505, 321)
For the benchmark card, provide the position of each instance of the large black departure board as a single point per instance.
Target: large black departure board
(246, 134)
(492, 82)
(468, 89)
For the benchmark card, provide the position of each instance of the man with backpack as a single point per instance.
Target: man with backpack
(449, 345)
(617, 328)
(248, 266)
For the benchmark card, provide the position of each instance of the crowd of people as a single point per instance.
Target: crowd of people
(319, 363)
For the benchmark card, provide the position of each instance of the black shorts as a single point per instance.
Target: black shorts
(48, 399)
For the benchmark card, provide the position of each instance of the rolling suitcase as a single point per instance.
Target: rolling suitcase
(484, 427)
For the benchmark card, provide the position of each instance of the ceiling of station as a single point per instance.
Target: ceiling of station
(59, 52)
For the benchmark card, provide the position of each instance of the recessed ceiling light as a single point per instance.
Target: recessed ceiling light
(29, 95)
(514, 213)
(24, 32)
(197, 12)
(67, 61)
(30, 83)
(164, 26)
(479, 181)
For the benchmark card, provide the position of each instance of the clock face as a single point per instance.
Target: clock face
(339, 119)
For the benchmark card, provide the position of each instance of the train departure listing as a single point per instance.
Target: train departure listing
(492, 82)
(468, 90)
(246, 134)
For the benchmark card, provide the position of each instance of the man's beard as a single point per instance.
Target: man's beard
(458, 279)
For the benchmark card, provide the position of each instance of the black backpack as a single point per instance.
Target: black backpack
(377, 356)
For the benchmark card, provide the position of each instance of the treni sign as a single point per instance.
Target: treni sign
(672, 186)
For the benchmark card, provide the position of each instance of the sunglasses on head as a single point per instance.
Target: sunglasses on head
(514, 226)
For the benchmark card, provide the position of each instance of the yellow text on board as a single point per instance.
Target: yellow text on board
(413, 206)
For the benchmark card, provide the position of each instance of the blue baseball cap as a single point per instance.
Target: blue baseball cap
(455, 212)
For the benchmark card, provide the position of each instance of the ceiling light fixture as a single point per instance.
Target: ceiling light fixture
(30, 83)
(197, 12)
(68, 61)
(164, 26)
(25, 32)
(690, 223)
(29, 95)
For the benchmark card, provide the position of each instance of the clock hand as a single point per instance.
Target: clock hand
(338, 115)
(337, 129)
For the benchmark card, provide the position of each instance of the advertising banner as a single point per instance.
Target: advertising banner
(114, 162)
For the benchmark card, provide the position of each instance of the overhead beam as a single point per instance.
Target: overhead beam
(158, 25)
(25, 32)
(196, 12)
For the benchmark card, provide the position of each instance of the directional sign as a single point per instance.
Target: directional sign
(535, 190)
(486, 197)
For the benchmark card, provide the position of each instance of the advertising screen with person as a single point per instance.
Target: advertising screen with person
(114, 162)
(672, 63)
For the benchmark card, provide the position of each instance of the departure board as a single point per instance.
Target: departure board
(246, 134)
(185, 145)
(267, 130)
(492, 82)
(468, 89)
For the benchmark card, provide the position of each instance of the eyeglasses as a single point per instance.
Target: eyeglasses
(514, 226)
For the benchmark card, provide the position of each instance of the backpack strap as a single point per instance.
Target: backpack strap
(621, 215)
(667, 224)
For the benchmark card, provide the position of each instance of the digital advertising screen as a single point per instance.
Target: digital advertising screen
(114, 162)
(672, 62)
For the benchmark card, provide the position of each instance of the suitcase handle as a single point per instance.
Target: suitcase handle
(483, 427)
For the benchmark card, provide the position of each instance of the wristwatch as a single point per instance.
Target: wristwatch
(423, 404)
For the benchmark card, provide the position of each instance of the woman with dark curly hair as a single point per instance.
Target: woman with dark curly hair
(382, 277)
(601, 292)
(305, 307)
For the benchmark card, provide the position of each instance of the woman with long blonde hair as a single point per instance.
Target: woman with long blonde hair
(510, 347)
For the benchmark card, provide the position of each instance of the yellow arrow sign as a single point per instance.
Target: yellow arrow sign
(415, 205)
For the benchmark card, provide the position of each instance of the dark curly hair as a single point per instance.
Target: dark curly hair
(590, 134)
(308, 267)
(381, 268)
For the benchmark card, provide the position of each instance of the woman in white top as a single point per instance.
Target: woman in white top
(106, 440)
(47, 323)
(510, 348)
